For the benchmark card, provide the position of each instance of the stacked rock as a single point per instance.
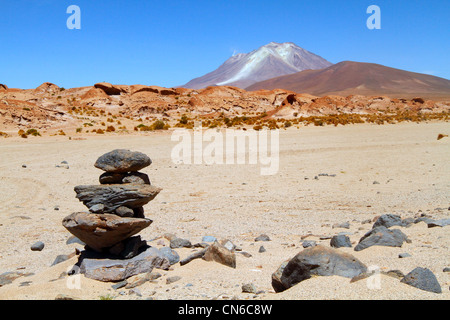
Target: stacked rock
(116, 211)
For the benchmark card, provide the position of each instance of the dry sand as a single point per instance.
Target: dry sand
(237, 203)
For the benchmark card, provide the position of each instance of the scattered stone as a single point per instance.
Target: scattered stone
(245, 254)
(394, 273)
(25, 284)
(121, 161)
(262, 237)
(340, 241)
(424, 219)
(388, 220)
(172, 279)
(60, 258)
(381, 236)
(62, 165)
(170, 254)
(262, 249)
(404, 255)
(73, 239)
(119, 284)
(308, 243)
(137, 280)
(438, 223)
(344, 225)
(217, 252)
(135, 291)
(100, 231)
(424, 279)
(201, 245)
(24, 166)
(180, 243)
(196, 255)
(37, 246)
(375, 182)
(316, 261)
(62, 296)
(228, 244)
(248, 288)
(209, 239)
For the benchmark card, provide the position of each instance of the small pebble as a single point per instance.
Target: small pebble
(37, 246)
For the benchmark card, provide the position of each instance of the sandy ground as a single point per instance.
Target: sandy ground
(236, 202)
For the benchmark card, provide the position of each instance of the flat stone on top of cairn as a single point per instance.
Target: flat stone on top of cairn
(122, 160)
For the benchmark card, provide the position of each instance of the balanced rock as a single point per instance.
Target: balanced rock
(122, 161)
(100, 231)
(381, 236)
(316, 261)
(114, 196)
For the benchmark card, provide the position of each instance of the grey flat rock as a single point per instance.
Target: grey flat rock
(114, 196)
(316, 261)
(107, 269)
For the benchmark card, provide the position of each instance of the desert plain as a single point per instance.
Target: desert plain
(328, 176)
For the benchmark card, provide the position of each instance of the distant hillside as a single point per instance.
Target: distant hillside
(348, 77)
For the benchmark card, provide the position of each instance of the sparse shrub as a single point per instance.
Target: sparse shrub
(158, 125)
(110, 129)
(78, 130)
(33, 132)
(184, 119)
(99, 131)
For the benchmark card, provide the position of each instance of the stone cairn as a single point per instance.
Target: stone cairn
(113, 252)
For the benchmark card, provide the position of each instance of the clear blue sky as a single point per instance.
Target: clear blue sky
(168, 43)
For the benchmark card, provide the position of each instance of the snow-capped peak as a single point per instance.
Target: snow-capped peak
(271, 60)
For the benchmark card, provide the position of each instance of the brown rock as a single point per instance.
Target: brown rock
(100, 231)
(218, 253)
